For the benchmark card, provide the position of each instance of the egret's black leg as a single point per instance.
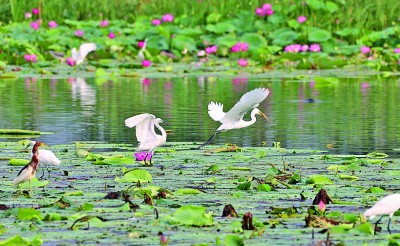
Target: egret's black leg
(209, 140)
(389, 225)
(42, 173)
(145, 159)
(376, 224)
(48, 171)
(151, 157)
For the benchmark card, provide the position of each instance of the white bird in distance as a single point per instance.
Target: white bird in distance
(79, 56)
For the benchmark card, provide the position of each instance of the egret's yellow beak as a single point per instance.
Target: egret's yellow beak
(43, 144)
(264, 116)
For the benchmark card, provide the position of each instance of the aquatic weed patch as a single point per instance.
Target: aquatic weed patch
(85, 196)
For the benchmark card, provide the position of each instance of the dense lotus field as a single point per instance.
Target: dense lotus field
(267, 38)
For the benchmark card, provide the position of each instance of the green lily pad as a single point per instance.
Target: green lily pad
(191, 216)
(318, 179)
(18, 162)
(136, 175)
(29, 214)
(187, 191)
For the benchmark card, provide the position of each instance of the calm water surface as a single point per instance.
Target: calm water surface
(355, 115)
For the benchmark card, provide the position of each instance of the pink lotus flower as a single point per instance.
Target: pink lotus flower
(396, 50)
(321, 206)
(168, 18)
(111, 35)
(365, 49)
(240, 47)
(304, 48)
(70, 61)
(301, 19)
(156, 22)
(35, 11)
(28, 15)
(265, 10)
(141, 44)
(30, 58)
(35, 25)
(146, 63)
(211, 49)
(163, 240)
(104, 23)
(315, 48)
(235, 48)
(53, 24)
(243, 62)
(293, 48)
(141, 155)
(79, 33)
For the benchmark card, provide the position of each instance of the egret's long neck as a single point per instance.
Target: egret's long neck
(253, 118)
(163, 133)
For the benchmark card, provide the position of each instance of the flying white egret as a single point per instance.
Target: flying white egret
(46, 157)
(145, 134)
(387, 205)
(84, 50)
(233, 119)
(29, 170)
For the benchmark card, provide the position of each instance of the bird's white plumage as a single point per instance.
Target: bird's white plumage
(234, 117)
(145, 133)
(46, 157)
(387, 205)
(84, 50)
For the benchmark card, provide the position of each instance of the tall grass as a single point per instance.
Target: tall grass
(363, 14)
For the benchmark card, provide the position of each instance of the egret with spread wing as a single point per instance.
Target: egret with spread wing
(145, 134)
(233, 119)
(84, 50)
(46, 157)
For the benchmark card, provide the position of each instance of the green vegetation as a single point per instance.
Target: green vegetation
(362, 14)
(312, 34)
(84, 202)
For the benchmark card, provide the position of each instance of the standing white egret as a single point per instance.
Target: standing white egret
(29, 170)
(145, 134)
(46, 157)
(233, 119)
(79, 56)
(387, 205)
(140, 55)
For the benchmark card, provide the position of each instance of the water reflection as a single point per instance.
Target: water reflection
(347, 113)
(83, 94)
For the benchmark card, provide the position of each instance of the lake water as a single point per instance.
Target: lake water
(357, 115)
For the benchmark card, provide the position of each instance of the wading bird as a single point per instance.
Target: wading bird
(387, 205)
(79, 56)
(29, 170)
(46, 157)
(233, 119)
(140, 55)
(145, 133)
